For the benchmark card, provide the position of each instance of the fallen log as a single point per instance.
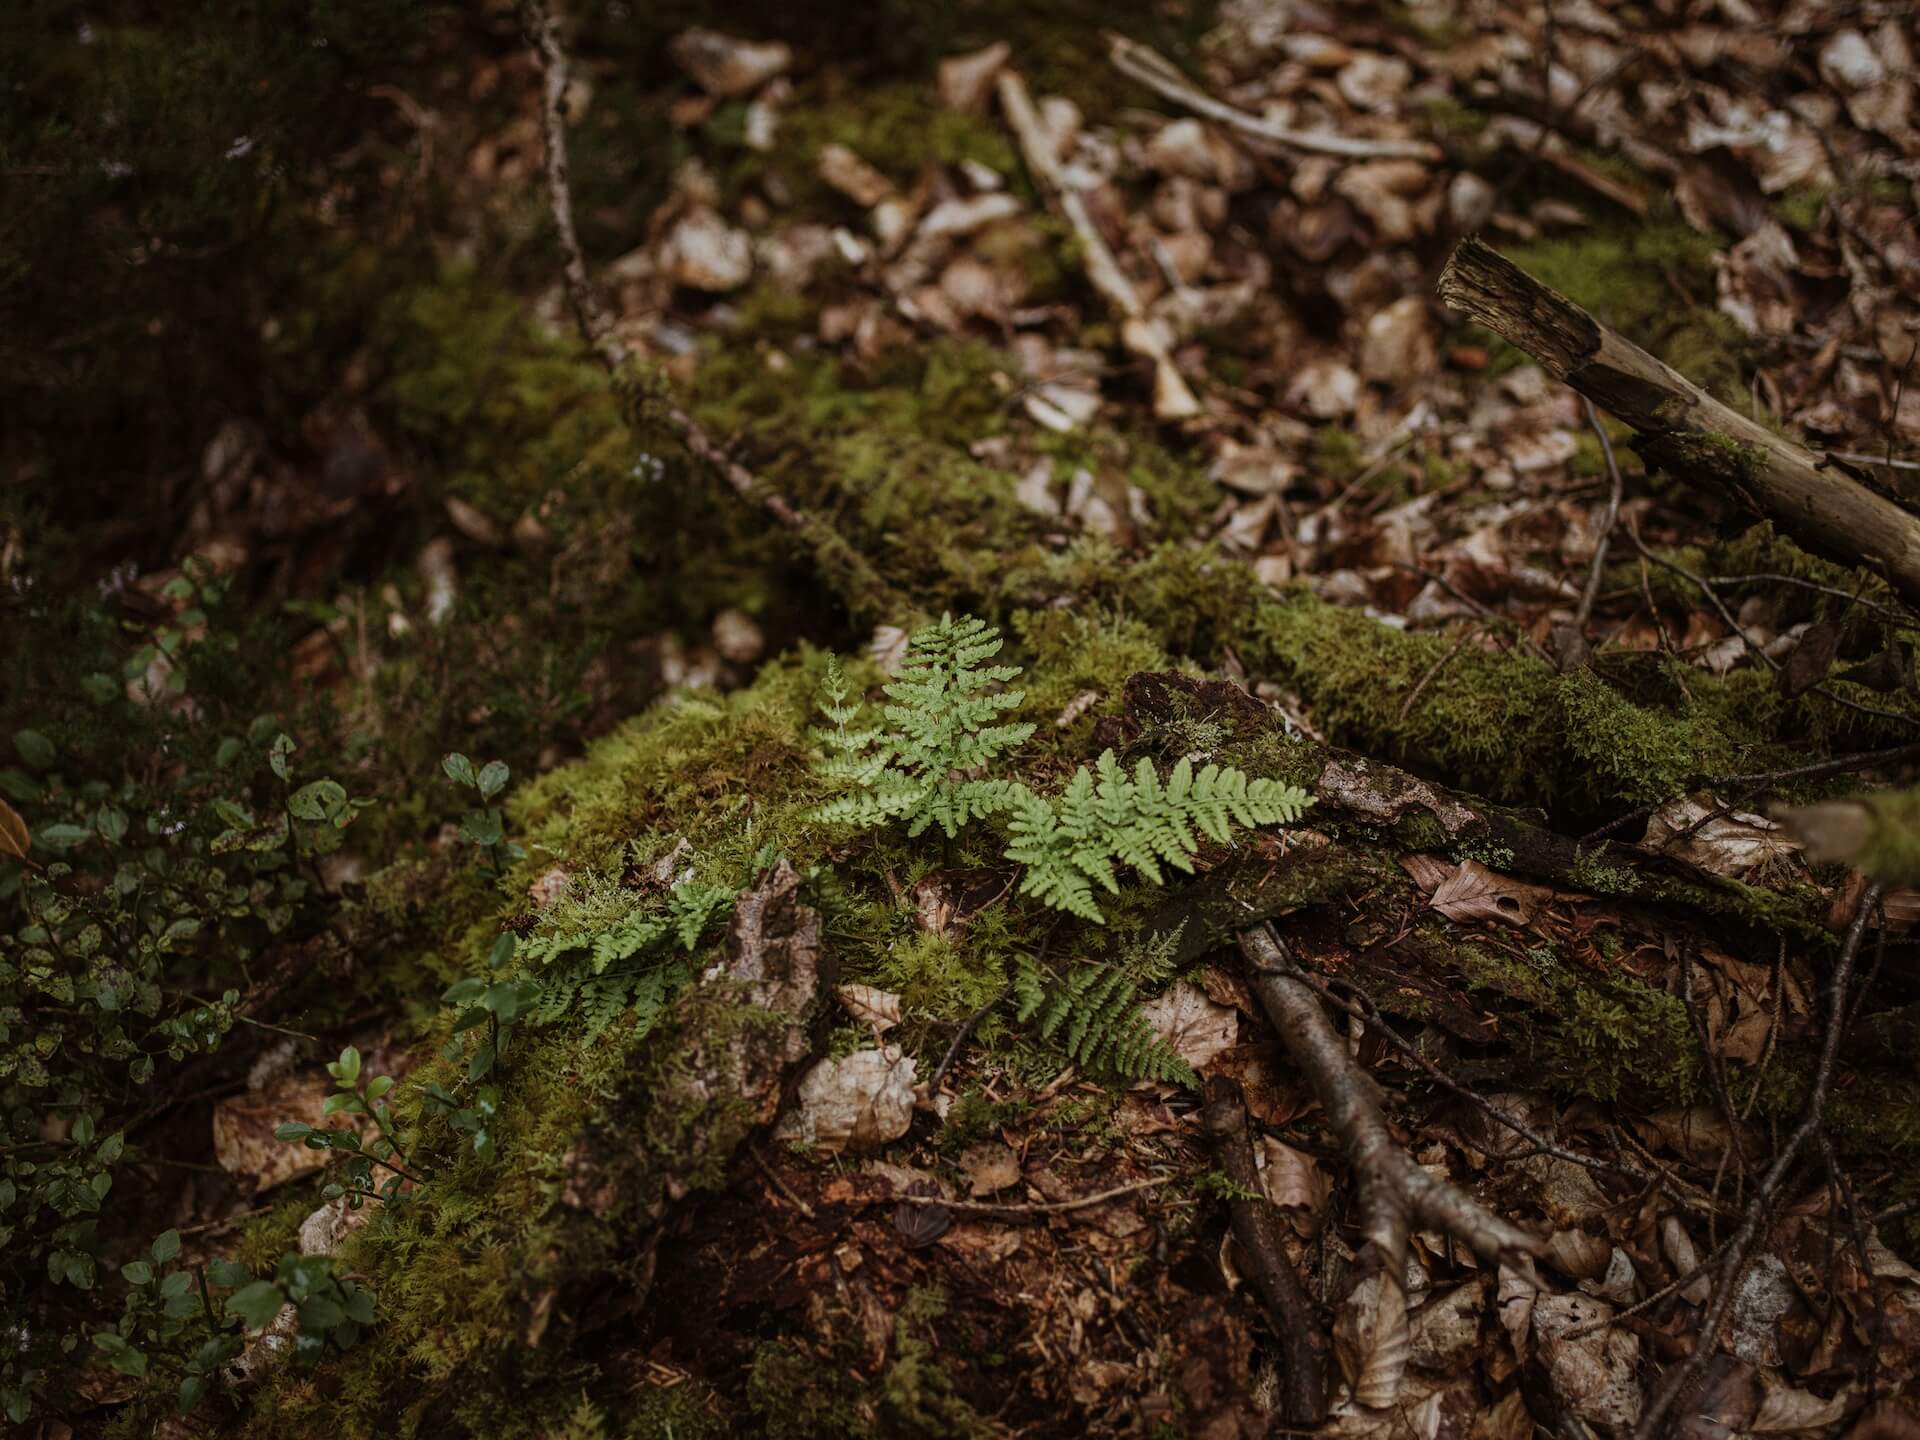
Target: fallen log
(1679, 426)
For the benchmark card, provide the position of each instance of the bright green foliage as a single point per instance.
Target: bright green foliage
(483, 826)
(1093, 1012)
(1070, 844)
(384, 1150)
(942, 718)
(925, 768)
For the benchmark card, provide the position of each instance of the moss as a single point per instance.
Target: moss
(1652, 280)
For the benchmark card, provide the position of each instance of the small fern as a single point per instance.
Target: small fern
(924, 770)
(1093, 1013)
(942, 727)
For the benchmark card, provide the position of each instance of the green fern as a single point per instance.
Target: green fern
(942, 719)
(1093, 1013)
(924, 770)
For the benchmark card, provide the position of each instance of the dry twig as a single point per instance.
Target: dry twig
(864, 591)
(1396, 1195)
(1172, 399)
(1303, 1343)
(1153, 70)
(1759, 1212)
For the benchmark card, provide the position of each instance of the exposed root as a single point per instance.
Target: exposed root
(1303, 1343)
(1396, 1195)
(867, 595)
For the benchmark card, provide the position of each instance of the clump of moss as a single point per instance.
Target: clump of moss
(1652, 280)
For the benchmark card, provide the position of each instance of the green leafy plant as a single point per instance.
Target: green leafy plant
(309, 820)
(923, 770)
(483, 826)
(495, 1000)
(606, 950)
(353, 1096)
(125, 897)
(331, 1309)
(170, 1324)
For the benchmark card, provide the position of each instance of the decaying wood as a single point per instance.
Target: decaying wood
(1303, 1344)
(1396, 1195)
(864, 591)
(1153, 70)
(1172, 398)
(1681, 427)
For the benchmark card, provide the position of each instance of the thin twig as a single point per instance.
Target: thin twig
(1614, 495)
(1046, 1207)
(1172, 399)
(1158, 74)
(862, 588)
(1747, 640)
(972, 1022)
(772, 1177)
(1406, 706)
(1740, 1249)
(1303, 1343)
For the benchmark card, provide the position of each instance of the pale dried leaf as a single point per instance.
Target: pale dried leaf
(878, 1008)
(725, 65)
(1592, 1376)
(243, 1126)
(989, 1167)
(1195, 1027)
(857, 1102)
(1736, 845)
(1295, 1182)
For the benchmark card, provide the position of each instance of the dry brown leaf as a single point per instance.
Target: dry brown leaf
(1195, 1027)
(1295, 1182)
(1594, 1375)
(1475, 893)
(857, 1102)
(990, 1167)
(14, 837)
(725, 65)
(878, 1008)
(243, 1126)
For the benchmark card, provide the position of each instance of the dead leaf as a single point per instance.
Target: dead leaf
(1593, 1376)
(1737, 845)
(857, 1102)
(243, 1126)
(1475, 893)
(1195, 1027)
(14, 837)
(1295, 1182)
(726, 66)
(879, 1008)
(989, 1167)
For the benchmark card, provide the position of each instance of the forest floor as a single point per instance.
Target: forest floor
(1526, 1041)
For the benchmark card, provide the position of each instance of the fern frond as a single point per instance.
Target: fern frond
(1093, 1013)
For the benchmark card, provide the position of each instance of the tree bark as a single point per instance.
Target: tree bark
(1681, 427)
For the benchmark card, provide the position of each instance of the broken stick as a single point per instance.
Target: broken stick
(866, 594)
(1681, 427)
(1396, 1195)
(1143, 335)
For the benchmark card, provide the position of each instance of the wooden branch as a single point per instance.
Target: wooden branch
(1172, 398)
(1153, 70)
(1680, 426)
(1396, 1195)
(1303, 1341)
(865, 593)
